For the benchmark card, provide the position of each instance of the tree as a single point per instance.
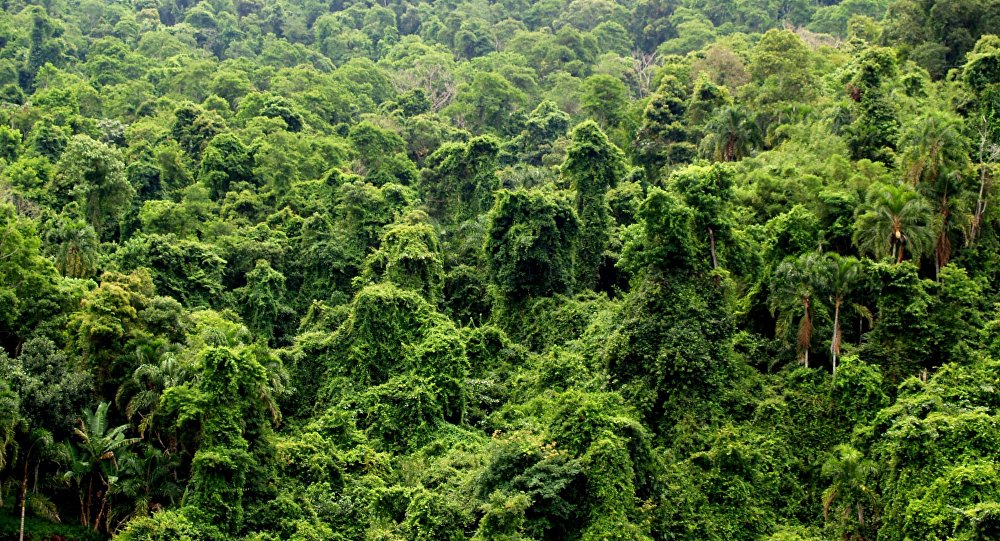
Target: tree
(188, 270)
(474, 38)
(982, 75)
(93, 465)
(708, 192)
(194, 128)
(74, 244)
(958, 309)
(723, 66)
(10, 141)
(488, 103)
(226, 161)
(894, 219)
(93, 175)
(873, 132)
(232, 404)
(409, 256)
(934, 156)
(157, 369)
(798, 286)
(988, 155)
(604, 99)
(459, 179)
(361, 210)
(691, 31)
(780, 69)
(263, 300)
(398, 362)
(49, 394)
(844, 273)
(705, 101)
(45, 47)
(661, 139)
(732, 134)
(944, 488)
(109, 316)
(10, 420)
(51, 391)
(149, 481)
(664, 243)
(850, 494)
(544, 126)
(381, 154)
(939, 34)
(901, 342)
(933, 147)
(28, 293)
(37, 442)
(593, 166)
(529, 246)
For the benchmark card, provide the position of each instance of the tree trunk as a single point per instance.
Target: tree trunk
(942, 249)
(805, 333)
(102, 511)
(711, 238)
(86, 507)
(984, 179)
(977, 217)
(835, 344)
(24, 497)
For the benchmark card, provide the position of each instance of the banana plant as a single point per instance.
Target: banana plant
(93, 464)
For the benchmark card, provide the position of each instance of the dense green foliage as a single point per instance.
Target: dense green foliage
(583, 270)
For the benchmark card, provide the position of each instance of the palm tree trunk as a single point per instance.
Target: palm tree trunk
(942, 251)
(806, 335)
(711, 238)
(835, 344)
(24, 497)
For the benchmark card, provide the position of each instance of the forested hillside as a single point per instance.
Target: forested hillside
(461, 269)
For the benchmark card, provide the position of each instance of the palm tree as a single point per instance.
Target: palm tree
(158, 369)
(732, 134)
(36, 442)
(934, 147)
(74, 246)
(797, 283)
(894, 219)
(94, 464)
(844, 273)
(848, 471)
(149, 484)
(935, 156)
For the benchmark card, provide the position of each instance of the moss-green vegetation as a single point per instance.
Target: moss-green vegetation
(574, 270)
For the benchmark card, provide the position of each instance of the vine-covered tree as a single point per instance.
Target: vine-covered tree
(530, 246)
(593, 166)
